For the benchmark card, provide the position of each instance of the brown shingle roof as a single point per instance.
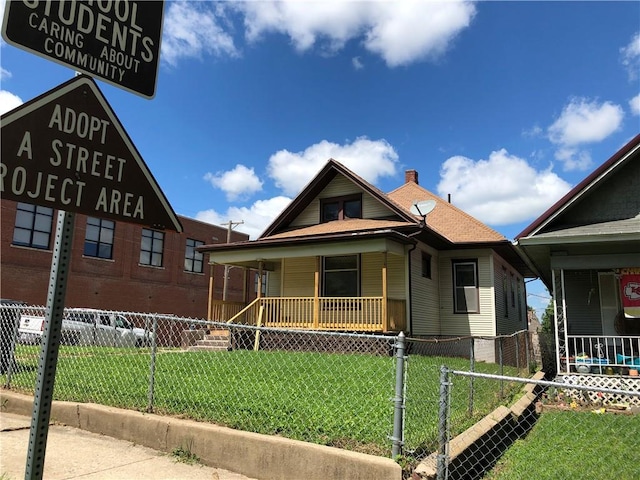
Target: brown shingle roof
(445, 219)
(342, 226)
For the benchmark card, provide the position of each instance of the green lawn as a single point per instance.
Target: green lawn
(344, 400)
(575, 445)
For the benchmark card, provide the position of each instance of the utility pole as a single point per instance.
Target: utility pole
(230, 226)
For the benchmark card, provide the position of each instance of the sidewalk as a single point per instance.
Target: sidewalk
(73, 453)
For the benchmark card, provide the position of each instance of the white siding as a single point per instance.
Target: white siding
(274, 281)
(298, 275)
(425, 301)
(482, 323)
(371, 274)
(341, 186)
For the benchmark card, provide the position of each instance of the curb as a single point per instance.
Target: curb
(250, 454)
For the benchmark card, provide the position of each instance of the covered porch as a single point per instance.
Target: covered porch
(594, 335)
(345, 286)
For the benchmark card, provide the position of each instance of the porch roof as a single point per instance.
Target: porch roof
(249, 253)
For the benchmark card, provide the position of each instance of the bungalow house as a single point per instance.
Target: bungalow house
(344, 256)
(586, 250)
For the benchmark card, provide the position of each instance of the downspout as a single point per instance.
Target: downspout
(210, 302)
(410, 325)
(415, 245)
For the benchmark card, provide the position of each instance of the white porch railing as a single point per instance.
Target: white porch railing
(603, 354)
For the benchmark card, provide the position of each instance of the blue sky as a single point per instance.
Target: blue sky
(503, 105)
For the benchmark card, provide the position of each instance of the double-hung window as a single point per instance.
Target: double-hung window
(98, 240)
(340, 208)
(33, 226)
(341, 276)
(193, 260)
(151, 247)
(465, 286)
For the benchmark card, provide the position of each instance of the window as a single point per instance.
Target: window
(341, 208)
(151, 248)
(33, 226)
(340, 276)
(98, 241)
(426, 265)
(263, 291)
(193, 260)
(513, 291)
(465, 286)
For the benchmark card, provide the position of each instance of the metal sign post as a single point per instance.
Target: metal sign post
(50, 346)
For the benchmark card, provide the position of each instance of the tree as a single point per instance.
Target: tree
(548, 318)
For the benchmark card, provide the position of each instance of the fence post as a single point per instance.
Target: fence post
(472, 368)
(152, 366)
(501, 360)
(443, 425)
(398, 401)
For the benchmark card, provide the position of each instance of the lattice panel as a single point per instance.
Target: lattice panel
(632, 384)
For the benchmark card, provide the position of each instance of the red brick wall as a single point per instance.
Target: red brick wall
(120, 283)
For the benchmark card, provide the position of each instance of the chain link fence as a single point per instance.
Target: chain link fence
(368, 393)
(548, 430)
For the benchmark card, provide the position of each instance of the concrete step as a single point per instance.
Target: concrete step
(203, 348)
(213, 342)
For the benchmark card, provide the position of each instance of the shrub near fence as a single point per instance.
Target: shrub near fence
(328, 388)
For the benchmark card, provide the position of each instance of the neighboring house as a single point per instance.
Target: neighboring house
(584, 248)
(344, 256)
(115, 265)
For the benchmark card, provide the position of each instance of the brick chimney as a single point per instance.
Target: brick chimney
(411, 176)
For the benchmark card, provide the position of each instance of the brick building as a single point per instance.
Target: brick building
(116, 265)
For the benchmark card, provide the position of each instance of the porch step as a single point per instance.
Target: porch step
(217, 340)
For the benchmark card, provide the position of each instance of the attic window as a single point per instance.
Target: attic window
(340, 208)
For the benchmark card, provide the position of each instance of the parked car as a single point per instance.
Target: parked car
(87, 326)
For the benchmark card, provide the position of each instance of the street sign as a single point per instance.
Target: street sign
(117, 41)
(66, 149)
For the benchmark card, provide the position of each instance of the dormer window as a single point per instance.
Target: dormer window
(340, 208)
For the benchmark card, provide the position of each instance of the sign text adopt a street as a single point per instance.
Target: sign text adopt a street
(117, 41)
(66, 149)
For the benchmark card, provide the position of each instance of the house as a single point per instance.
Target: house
(344, 256)
(586, 250)
(116, 265)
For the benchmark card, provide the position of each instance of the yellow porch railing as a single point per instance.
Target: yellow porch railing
(358, 314)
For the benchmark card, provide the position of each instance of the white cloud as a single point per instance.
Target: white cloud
(238, 183)
(4, 74)
(502, 190)
(400, 32)
(408, 31)
(582, 122)
(192, 29)
(357, 63)
(631, 56)
(634, 105)
(8, 101)
(370, 159)
(256, 218)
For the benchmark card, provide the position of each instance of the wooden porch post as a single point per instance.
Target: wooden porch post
(385, 319)
(316, 295)
(245, 290)
(260, 266)
(210, 303)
